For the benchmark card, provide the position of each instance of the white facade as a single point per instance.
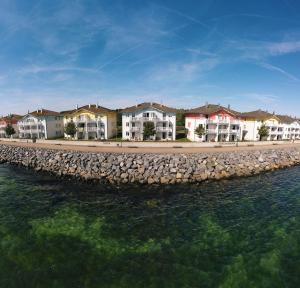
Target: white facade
(277, 131)
(40, 127)
(164, 124)
(291, 131)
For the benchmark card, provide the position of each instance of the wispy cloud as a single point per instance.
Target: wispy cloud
(280, 70)
(281, 48)
(184, 71)
(35, 69)
(268, 99)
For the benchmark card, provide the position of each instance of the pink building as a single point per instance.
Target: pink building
(219, 124)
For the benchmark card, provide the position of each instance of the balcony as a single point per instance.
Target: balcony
(92, 129)
(135, 129)
(223, 131)
(218, 121)
(148, 119)
(163, 129)
(211, 131)
(234, 131)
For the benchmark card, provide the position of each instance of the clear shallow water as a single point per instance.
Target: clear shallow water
(237, 233)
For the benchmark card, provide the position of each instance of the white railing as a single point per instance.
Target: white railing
(223, 131)
(135, 129)
(234, 131)
(163, 129)
(92, 129)
(151, 119)
(219, 121)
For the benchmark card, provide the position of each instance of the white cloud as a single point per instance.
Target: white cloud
(281, 48)
(262, 98)
(183, 71)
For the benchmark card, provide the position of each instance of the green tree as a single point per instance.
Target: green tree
(263, 132)
(70, 129)
(9, 130)
(149, 130)
(200, 130)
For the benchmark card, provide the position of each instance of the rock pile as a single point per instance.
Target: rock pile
(150, 168)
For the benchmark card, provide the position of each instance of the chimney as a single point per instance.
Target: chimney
(89, 105)
(76, 106)
(229, 107)
(151, 104)
(206, 104)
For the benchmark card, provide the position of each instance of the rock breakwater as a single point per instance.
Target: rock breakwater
(149, 168)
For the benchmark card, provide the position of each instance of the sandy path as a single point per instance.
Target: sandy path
(149, 149)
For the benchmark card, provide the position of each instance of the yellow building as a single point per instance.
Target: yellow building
(252, 121)
(92, 122)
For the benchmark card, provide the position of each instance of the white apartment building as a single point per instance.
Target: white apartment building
(291, 127)
(252, 122)
(41, 124)
(162, 117)
(219, 124)
(92, 122)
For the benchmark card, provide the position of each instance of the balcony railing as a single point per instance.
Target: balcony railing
(223, 131)
(218, 121)
(150, 119)
(135, 129)
(92, 129)
(211, 131)
(163, 129)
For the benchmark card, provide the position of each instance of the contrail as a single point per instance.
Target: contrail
(135, 47)
(120, 55)
(190, 18)
(278, 69)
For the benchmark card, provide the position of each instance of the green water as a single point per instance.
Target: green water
(238, 233)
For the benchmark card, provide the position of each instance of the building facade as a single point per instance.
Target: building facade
(291, 127)
(219, 124)
(9, 120)
(41, 124)
(253, 121)
(92, 122)
(163, 119)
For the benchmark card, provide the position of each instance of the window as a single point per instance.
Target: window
(133, 124)
(127, 124)
(127, 133)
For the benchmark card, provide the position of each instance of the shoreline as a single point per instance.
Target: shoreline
(143, 168)
(136, 148)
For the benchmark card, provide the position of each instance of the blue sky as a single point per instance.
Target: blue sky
(56, 54)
